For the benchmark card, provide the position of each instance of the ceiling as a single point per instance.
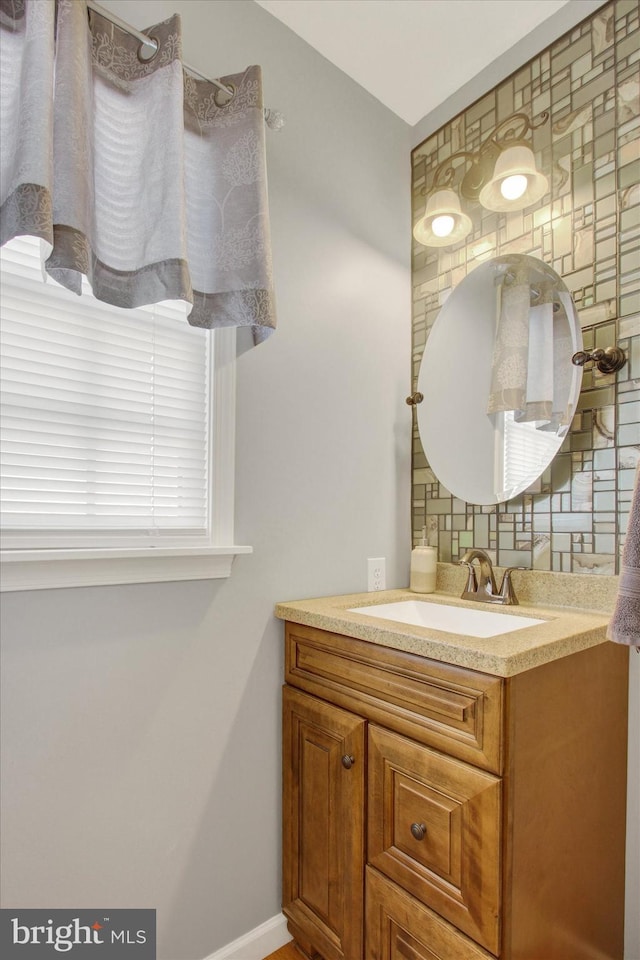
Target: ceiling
(411, 54)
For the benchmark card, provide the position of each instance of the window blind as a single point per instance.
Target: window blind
(105, 423)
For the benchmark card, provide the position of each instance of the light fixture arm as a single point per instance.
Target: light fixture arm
(445, 172)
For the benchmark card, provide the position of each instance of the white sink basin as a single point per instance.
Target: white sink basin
(450, 619)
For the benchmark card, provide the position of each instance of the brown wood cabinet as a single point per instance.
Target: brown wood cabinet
(433, 812)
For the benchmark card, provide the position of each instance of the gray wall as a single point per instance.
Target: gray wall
(142, 723)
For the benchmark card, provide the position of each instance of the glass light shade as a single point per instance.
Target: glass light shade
(516, 161)
(442, 206)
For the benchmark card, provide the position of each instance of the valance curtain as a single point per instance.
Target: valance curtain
(147, 181)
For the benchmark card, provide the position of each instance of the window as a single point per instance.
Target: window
(117, 437)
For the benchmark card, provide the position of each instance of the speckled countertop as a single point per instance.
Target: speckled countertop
(575, 609)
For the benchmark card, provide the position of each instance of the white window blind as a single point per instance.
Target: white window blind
(106, 417)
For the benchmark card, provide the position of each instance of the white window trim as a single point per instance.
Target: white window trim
(47, 569)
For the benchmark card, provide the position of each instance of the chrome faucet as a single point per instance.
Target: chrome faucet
(484, 587)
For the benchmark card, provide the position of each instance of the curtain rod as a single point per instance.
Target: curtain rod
(273, 118)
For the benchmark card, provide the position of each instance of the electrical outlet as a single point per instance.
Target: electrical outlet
(376, 574)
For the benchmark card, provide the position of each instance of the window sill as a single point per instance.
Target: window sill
(53, 569)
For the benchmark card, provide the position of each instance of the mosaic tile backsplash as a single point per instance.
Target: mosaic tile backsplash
(587, 228)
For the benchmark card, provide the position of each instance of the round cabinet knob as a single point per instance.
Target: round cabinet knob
(418, 831)
(348, 762)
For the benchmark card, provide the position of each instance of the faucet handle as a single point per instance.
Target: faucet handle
(507, 593)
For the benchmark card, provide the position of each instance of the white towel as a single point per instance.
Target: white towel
(625, 624)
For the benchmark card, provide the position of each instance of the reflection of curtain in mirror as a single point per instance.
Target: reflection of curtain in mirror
(538, 399)
(563, 370)
(531, 368)
(510, 348)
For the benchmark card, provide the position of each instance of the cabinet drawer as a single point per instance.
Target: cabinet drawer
(401, 928)
(434, 828)
(451, 708)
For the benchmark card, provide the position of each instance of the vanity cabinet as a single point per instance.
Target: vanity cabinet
(435, 812)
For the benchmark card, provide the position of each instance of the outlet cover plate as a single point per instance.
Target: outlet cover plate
(376, 574)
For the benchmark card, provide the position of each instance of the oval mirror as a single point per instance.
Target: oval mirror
(499, 386)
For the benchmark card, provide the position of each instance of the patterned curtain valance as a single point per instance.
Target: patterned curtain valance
(147, 181)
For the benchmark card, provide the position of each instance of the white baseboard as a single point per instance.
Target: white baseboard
(258, 943)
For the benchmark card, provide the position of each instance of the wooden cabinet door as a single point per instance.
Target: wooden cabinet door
(435, 828)
(401, 928)
(323, 826)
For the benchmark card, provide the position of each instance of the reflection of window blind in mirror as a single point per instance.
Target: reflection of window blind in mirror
(527, 451)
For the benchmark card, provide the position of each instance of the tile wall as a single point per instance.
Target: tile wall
(573, 519)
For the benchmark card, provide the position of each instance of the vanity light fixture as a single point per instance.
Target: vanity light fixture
(501, 175)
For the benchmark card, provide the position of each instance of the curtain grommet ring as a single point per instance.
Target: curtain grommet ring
(144, 54)
(223, 97)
